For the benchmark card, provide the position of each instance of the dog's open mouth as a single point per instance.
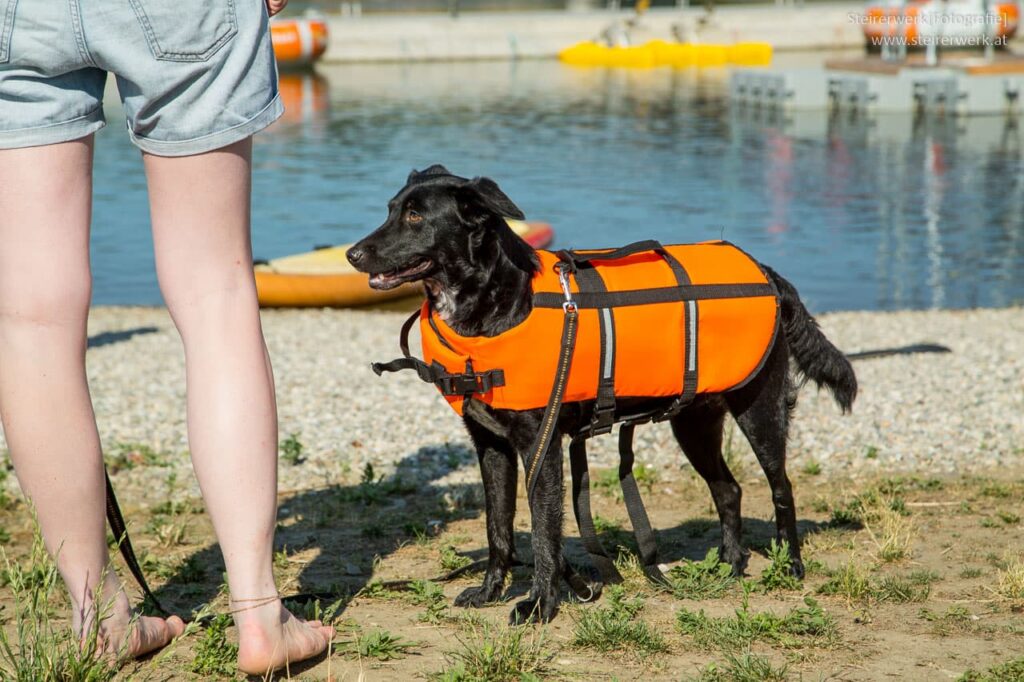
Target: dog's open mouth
(391, 279)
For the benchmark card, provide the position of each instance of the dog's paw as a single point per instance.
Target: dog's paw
(533, 611)
(475, 597)
(737, 559)
(796, 569)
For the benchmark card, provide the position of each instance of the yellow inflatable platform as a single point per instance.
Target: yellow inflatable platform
(661, 53)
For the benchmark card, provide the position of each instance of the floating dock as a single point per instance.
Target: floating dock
(956, 86)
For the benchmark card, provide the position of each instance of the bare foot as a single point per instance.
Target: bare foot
(270, 637)
(146, 634)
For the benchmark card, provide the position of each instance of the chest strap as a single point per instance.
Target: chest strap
(463, 384)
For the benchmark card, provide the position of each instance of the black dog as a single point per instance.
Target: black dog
(449, 232)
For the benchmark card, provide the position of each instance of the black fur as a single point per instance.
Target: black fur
(477, 275)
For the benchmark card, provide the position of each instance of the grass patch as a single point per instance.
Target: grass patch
(496, 654)
(381, 645)
(954, 620)
(44, 648)
(429, 594)
(1011, 580)
(617, 627)
(812, 468)
(451, 560)
(291, 450)
(744, 668)
(806, 625)
(892, 534)
(1011, 671)
(897, 590)
(778, 575)
(127, 456)
(214, 655)
(705, 579)
(849, 582)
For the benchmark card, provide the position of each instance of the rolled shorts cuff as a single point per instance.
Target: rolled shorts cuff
(207, 143)
(53, 133)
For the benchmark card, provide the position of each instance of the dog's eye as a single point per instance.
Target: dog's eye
(413, 217)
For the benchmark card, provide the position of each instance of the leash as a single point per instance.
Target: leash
(124, 544)
(542, 442)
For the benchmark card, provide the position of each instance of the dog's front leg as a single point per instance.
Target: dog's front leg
(546, 511)
(498, 470)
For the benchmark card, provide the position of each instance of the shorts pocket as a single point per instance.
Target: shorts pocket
(186, 30)
(6, 28)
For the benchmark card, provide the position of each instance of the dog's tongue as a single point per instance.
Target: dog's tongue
(382, 281)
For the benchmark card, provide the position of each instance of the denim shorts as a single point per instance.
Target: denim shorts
(193, 75)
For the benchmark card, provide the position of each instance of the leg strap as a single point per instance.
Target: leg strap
(635, 506)
(584, 518)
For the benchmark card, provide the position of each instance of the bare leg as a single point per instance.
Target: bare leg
(45, 289)
(200, 214)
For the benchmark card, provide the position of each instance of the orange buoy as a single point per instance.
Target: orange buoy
(298, 42)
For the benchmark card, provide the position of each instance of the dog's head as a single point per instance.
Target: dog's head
(444, 229)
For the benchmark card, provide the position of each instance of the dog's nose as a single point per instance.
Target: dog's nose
(355, 255)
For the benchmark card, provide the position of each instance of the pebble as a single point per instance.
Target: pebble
(927, 413)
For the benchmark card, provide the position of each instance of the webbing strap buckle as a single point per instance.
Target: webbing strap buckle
(470, 382)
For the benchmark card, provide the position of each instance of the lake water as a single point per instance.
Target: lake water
(888, 213)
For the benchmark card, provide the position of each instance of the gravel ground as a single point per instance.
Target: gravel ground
(940, 413)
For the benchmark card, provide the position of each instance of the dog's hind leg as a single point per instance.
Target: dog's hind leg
(546, 512)
(498, 470)
(762, 410)
(698, 428)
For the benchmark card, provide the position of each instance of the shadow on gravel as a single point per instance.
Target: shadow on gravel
(356, 526)
(110, 338)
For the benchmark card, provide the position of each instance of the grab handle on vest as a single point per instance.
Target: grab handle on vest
(645, 246)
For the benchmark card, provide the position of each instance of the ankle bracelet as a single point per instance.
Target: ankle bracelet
(253, 603)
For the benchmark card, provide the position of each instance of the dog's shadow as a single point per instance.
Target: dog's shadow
(354, 527)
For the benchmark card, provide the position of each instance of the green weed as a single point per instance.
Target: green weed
(451, 560)
(897, 590)
(126, 456)
(956, 619)
(778, 574)
(381, 645)
(291, 450)
(806, 625)
(1011, 671)
(744, 668)
(616, 627)
(705, 579)
(42, 647)
(812, 468)
(496, 654)
(849, 582)
(213, 653)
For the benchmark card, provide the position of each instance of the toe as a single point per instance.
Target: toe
(176, 626)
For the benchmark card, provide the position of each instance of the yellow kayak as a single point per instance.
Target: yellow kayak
(324, 278)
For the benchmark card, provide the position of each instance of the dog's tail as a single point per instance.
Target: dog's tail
(815, 356)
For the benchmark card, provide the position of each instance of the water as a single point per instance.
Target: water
(890, 214)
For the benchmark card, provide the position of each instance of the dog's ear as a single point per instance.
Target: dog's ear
(436, 169)
(487, 193)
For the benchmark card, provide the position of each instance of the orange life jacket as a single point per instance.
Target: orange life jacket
(672, 321)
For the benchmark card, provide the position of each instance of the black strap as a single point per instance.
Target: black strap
(547, 426)
(603, 418)
(578, 257)
(642, 530)
(466, 383)
(584, 516)
(124, 543)
(689, 292)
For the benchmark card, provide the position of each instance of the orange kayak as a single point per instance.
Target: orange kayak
(298, 42)
(324, 278)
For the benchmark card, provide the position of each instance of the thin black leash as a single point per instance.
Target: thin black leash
(116, 520)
